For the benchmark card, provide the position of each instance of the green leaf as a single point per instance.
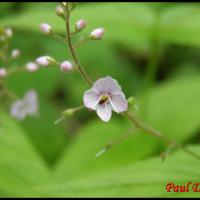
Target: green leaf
(144, 179)
(20, 166)
(79, 159)
(173, 108)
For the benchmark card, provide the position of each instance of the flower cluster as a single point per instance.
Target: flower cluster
(105, 95)
(29, 104)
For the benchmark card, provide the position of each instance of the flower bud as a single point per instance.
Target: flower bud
(31, 67)
(15, 53)
(60, 11)
(80, 25)
(45, 60)
(97, 34)
(66, 66)
(8, 32)
(46, 28)
(3, 72)
(69, 112)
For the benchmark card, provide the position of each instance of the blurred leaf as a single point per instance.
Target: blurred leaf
(20, 166)
(79, 159)
(174, 108)
(144, 179)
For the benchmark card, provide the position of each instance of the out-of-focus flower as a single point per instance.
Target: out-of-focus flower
(80, 24)
(15, 53)
(45, 60)
(46, 28)
(3, 72)
(66, 66)
(28, 106)
(105, 96)
(97, 34)
(31, 67)
(8, 32)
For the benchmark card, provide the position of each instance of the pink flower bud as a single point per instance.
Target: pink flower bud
(45, 60)
(3, 72)
(97, 34)
(80, 25)
(46, 28)
(15, 53)
(66, 66)
(31, 67)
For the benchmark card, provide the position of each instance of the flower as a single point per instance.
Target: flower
(97, 34)
(66, 66)
(80, 24)
(15, 53)
(3, 72)
(31, 67)
(45, 60)
(25, 107)
(46, 28)
(105, 96)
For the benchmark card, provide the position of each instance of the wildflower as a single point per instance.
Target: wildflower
(45, 60)
(25, 107)
(97, 33)
(80, 25)
(31, 67)
(105, 96)
(3, 72)
(66, 66)
(15, 53)
(46, 28)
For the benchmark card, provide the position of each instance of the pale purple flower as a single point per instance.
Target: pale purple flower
(3, 72)
(80, 24)
(97, 34)
(15, 53)
(105, 96)
(46, 28)
(66, 66)
(27, 106)
(31, 67)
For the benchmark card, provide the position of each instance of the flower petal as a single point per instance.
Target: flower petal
(31, 102)
(91, 99)
(104, 111)
(119, 103)
(107, 85)
(17, 110)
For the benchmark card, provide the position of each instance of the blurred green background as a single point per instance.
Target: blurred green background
(153, 50)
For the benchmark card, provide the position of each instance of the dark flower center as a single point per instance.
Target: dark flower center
(104, 99)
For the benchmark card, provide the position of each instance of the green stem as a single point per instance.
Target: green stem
(81, 42)
(157, 133)
(73, 52)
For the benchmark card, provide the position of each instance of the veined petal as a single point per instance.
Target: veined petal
(91, 99)
(119, 103)
(104, 111)
(107, 85)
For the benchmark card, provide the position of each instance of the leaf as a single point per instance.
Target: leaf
(20, 166)
(144, 179)
(79, 158)
(174, 108)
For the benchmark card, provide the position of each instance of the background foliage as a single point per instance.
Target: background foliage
(152, 49)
